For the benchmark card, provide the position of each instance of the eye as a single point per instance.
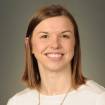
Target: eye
(44, 36)
(65, 36)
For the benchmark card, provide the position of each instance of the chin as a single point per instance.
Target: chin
(56, 68)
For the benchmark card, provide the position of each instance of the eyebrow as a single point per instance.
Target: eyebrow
(61, 32)
(67, 31)
(43, 32)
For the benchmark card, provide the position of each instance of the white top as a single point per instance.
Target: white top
(89, 94)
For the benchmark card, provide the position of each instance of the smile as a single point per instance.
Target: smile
(54, 56)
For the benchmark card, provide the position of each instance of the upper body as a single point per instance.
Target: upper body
(53, 63)
(89, 94)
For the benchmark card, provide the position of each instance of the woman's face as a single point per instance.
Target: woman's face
(53, 43)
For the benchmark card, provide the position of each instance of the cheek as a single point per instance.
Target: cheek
(69, 46)
(69, 51)
(37, 47)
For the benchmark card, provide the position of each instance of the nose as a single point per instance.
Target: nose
(55, 43)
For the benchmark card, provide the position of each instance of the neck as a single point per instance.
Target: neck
(53, 83)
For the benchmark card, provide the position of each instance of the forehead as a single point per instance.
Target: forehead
(59, 23)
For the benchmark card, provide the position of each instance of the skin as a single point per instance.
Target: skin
(53, 45)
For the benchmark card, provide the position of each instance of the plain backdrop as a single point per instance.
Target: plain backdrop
(14, 18)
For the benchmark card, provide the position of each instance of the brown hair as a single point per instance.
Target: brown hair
(31, 74)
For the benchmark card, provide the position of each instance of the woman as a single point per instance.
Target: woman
(53, 63)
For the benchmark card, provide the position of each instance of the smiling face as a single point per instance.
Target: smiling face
(53, 43)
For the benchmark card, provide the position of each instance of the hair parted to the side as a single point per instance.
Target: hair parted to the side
(31, 74)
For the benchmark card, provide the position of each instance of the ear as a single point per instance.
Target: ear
(26, 41)
(28, 44)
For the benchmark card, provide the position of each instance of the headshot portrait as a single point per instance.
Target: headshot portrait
(60, 61)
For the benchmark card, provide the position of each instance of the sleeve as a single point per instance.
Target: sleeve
(101, 99)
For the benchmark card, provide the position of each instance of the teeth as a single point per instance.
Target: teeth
(54, 55)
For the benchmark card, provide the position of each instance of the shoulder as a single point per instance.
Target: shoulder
(94, 87)
(92, 91)
(23, 97)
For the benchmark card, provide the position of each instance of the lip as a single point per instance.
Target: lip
(55, 56)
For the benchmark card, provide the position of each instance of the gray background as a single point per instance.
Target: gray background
(14, 17)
